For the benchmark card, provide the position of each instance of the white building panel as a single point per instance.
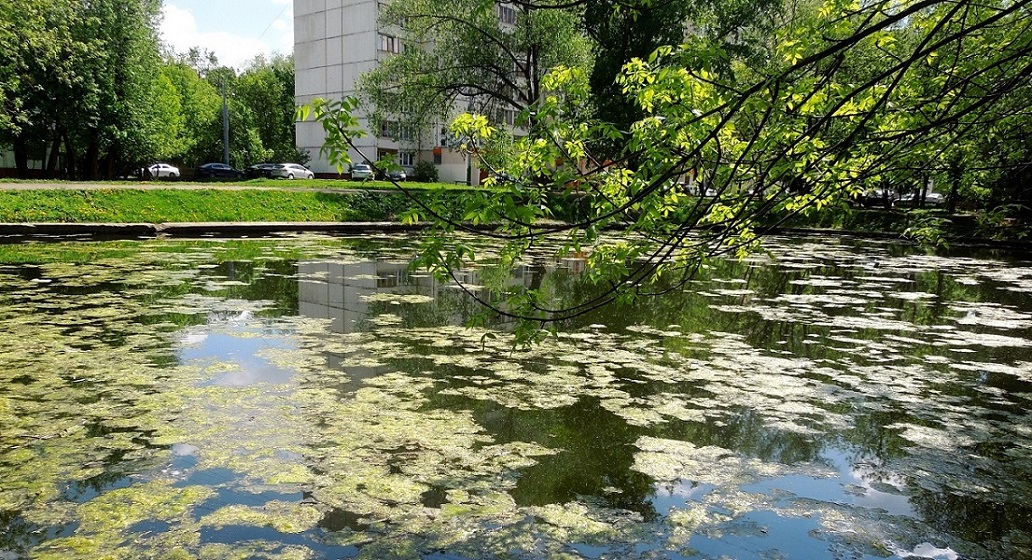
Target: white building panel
(335, 43)
(304, 7)
(334, 22)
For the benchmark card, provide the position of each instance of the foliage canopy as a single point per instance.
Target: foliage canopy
(840, 98)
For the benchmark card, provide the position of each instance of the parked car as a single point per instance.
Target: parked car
(260, 170)
(397, 175)
(361, 171)
(930, 199)
(292, 171)
(218, 171)
(878, 197)
(159, 170)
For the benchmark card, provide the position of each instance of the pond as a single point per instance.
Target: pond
(311, 397)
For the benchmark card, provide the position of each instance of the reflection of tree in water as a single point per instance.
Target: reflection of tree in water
(595, 446)
(977, 517)
(18, 536)
(596, 453)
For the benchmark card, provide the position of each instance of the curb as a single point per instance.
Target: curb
(126, 231)
(244, 229)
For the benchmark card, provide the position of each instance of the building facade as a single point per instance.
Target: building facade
(335, 43)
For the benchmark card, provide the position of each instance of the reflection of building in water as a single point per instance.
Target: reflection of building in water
(345, 292)
(575, 262)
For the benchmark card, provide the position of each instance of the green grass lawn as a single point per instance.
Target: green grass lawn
(121, 205)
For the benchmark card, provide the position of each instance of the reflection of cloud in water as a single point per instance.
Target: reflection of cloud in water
(253, 376)
(889, 497)
(194, 338)
(184, 449)
(928, 550)
(234, 358)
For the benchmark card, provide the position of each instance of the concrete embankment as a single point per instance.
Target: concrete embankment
(129, 231)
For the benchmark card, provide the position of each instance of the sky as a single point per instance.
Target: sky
(235, 31)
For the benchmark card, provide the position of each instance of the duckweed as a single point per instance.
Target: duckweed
(207, 399)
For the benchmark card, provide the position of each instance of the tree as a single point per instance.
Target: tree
(34, 61)
(82, 73)
(885, 91)
(266, 88)
(8, 73)
(623, 31)
(201, 106)
(468, 55)
(120, 58)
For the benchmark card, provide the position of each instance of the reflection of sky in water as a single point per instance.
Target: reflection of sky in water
(238, 350)
(852, 486)
(248, 418)
(668, 497)
(763, 535)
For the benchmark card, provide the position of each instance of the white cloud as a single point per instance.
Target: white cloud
(180, 31)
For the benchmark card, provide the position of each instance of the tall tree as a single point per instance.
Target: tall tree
(83, 80)
(266, 88)
(622, 31)
(201, 107)
(484, 56)
(37, 64)
(122, 61)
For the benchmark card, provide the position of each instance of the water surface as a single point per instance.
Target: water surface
(312, 397)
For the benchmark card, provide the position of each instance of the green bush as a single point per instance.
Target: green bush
(425, 172)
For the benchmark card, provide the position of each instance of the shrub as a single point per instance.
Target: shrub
(425, 172)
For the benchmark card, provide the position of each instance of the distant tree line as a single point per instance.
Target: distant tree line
(87, 89)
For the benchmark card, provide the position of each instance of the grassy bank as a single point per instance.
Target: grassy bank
(199, 205)
(318, 201)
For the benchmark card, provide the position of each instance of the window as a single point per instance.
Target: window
(406, 159)
(397, 131)
(510, 116)
(389, 43)
(407, 133)
(438, 158)
(507, 14)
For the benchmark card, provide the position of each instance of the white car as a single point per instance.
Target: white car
(291, 171)
(362, 171)
(159, 170)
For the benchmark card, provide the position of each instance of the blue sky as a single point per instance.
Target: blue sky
(236, 31)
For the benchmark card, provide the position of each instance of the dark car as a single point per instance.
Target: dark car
(218, 171)
(260, 170)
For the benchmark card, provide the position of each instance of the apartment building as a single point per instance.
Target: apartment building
(335, 43)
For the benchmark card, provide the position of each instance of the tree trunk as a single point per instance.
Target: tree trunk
(21, 157)
(91, 163)
(71, 161)
(955, 173)
(54, 157)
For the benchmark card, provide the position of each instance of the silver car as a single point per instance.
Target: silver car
(362, 171)
(291, 171)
